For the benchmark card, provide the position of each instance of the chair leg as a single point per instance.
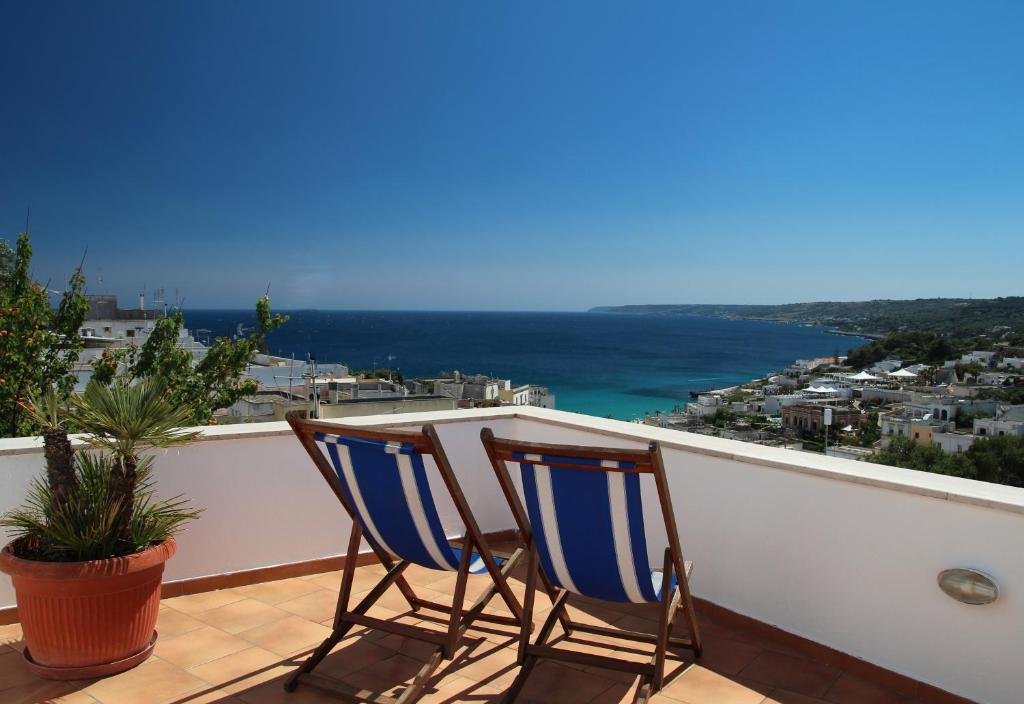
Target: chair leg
(415, 688)
(455, 618)
(644, 691)
(343, 626)
(473, 612)
(528, 599)
(552, 591)
(517, 684)
(664, 623)
(527, 660)
(348, 573)
(683, 594)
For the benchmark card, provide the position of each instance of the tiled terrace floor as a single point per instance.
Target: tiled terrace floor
(237, 645)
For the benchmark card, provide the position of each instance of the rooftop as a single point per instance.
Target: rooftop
(815, 576)
(237, 645)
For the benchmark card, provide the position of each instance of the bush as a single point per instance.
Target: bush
(82, 525)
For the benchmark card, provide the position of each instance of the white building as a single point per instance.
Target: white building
(1013, 363)
(108, 327)
(981, 357)
(952, 443)
(996, 427)
(528, 395)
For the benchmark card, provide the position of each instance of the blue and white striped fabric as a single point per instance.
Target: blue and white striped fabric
(588, 527)
(386, 485)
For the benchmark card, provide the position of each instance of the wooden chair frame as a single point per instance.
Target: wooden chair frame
(459, 619)
(652, 673)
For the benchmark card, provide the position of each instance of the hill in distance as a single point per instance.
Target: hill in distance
(958, 317)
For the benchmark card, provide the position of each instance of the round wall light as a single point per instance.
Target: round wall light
(968, 586)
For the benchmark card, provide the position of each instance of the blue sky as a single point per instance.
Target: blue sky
(521, 156)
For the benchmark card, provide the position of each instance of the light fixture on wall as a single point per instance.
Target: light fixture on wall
(968, 586)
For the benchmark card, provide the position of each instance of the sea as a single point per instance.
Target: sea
(604, 364)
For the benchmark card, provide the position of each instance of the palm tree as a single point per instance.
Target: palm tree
(46, 411)
(126, 420)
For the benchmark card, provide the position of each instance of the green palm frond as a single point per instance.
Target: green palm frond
(44, 409)
(84, 526)
(128, 419)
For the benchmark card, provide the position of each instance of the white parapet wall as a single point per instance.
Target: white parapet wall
(843, 553)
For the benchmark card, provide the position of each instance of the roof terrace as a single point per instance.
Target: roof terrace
(815, 577)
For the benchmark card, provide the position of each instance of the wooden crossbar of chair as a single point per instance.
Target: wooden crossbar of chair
(459, 618)
(651, 673)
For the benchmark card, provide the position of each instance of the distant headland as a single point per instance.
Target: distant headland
(948, 316)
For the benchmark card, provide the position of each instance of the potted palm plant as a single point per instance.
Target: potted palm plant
(91, 541)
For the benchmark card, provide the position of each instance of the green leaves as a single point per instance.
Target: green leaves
(126, 419)
(215, 382)
(83, 526)
(999, 460)
(38, 345)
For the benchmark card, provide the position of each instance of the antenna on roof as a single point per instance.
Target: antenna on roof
(159, 299)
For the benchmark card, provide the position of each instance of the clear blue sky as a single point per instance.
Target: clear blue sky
(518, 156)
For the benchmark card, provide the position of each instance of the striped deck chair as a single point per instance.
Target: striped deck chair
(382, 481)
(583, 525)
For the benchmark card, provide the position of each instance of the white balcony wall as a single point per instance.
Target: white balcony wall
(837, 551)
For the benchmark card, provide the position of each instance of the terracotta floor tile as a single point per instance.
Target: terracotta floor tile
(422, 576)
(351, 655)
(781, 696)
(597, 616)
(327, 580)
(76, 697)
(195, 603)
(460, 689)
(38, 690)
(792, 673)
(275, 592)
(553, 682)
(395, 600)
(199, 646)
(13, 671)
(397, 668)
(727, 656)
(239, 616)
(366, 578)
(206, 695)
(316, 606)
(273, 693)
(698, 685)
(152, 681)
(849, 689)
(239, 644)
(11, 635)
(475, 585)
(171, 622)
(286, 635)
(490, 664)
(244, 670)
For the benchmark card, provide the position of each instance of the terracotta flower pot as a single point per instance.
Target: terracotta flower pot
(88, 619)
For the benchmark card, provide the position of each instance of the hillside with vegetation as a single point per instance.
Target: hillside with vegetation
(958, 317)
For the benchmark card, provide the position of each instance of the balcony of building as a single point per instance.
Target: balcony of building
(815, 577)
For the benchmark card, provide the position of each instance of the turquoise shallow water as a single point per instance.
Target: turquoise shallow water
(597, 363)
